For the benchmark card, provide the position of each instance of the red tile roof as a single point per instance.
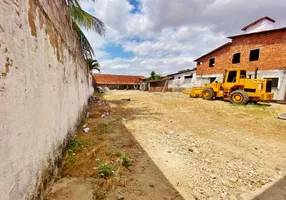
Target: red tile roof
(117, 79)
(257, 21)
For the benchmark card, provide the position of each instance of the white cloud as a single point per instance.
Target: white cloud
(167, 35)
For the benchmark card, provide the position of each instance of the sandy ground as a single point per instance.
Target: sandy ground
(208, 149)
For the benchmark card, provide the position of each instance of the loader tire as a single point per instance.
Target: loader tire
(239, 97)
(208, 94)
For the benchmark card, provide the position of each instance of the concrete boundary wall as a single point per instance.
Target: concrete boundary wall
(44, 87)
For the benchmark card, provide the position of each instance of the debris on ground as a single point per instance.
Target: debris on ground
(93, 99)
(99, 89)
(102, 89)
(282, 116)
(126, 99)
(86, 130)
(105, 114)
(106, 89)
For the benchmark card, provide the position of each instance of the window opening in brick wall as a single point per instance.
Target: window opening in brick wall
(189, 76)
(212, 62)
(179, 77)
(236, 58)
(231, 76)
(254, 55)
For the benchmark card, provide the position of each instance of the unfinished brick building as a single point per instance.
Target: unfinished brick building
(261, 48)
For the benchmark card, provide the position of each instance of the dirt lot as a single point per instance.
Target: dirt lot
(205, 149)
(217, 150)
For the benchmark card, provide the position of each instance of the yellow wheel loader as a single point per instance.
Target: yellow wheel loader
(236, 88)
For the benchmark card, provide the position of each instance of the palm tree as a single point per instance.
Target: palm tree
(93, 64)
(81, 18)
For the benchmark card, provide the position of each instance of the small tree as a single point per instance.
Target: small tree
(154, 76)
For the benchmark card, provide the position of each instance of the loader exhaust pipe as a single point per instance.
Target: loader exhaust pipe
(223, 80)
(255, 75)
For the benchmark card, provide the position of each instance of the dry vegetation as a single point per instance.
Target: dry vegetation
(108, 163)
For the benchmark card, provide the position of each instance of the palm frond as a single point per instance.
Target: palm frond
(86, 46)
(93, 64)
(84, 19)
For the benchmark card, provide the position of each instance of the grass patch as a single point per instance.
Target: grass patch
(126, 161)
(98, 95)
(103, 128)
(99, 198)
(77, 145)
(117, 153)
(105, 170)
(70, 160)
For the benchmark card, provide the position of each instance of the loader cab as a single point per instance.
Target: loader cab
(234, 75)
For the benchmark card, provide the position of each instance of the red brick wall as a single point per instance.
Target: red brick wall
(272, 54)
(158, 89)
(221, 62)
(158, 86)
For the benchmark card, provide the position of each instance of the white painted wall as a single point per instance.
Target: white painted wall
(40, 100)
(180, 81)
(260, 26)
(281, 74)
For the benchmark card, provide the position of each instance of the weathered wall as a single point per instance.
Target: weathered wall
(180, 82)
(44, 86)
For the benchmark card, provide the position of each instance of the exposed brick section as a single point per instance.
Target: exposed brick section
(272, 47)
(158, 85)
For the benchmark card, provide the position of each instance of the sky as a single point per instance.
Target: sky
(165, 36)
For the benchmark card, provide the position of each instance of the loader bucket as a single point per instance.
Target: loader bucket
(196, 92)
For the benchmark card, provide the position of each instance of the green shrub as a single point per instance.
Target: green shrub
(105, 170)
(126, 161)
(117, 153)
